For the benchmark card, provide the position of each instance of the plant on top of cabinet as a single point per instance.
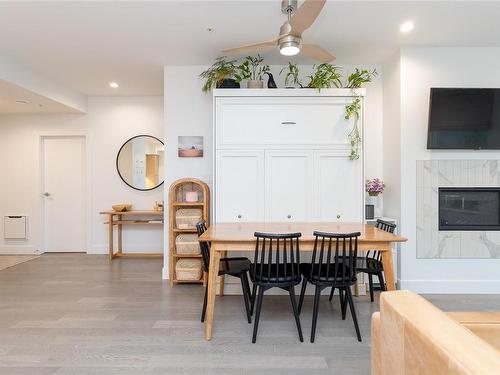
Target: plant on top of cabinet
(325, 76)
(220, 74)
(356, 80)
(253, 70)
(360, 77)
(292, 75)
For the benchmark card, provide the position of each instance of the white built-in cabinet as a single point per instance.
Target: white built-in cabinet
(283, 156)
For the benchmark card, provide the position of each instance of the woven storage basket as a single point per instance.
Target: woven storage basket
(187, 243)
(188, 269)
(186, 218)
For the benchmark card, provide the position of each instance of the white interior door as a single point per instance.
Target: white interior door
(289, 179)
(63, 192)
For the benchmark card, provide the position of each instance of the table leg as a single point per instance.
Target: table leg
(110, 235)
(120, 239)
(222, 278)
(388, 267)
(213, 270)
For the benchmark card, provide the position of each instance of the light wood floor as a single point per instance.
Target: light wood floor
(80, 314)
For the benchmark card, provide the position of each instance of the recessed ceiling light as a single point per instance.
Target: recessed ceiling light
(113, 85)
(406, 27)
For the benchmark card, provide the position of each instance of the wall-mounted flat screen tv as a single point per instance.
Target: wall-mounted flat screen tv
(464, 118)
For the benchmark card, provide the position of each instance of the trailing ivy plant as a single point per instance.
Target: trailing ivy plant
(352, 111)
(325, 76)
(292, 75)
(252, 69)
(220, 70)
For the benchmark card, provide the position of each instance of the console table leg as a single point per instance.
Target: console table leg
(120, 239)
(110, 237)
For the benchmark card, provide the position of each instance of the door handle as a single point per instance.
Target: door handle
(46, 194)
(288, 123)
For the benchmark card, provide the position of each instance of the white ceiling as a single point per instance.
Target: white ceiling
(15, 99)
(85, 45)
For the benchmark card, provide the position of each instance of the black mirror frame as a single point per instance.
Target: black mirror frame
(118, 155)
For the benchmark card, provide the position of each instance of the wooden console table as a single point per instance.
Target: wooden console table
(129, 218)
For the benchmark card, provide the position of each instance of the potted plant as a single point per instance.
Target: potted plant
(292, 76)
(324, 76)
(253, 71)
(360, 77)
(220, 74)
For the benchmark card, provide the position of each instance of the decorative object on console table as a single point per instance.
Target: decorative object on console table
(189, 201)
(374, 187)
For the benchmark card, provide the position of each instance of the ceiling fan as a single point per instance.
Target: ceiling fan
(289, 39)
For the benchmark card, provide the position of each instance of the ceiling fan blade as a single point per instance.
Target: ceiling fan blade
(253, 47)
(305, 16)
(317, 53)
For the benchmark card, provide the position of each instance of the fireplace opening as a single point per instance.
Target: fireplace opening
(469, 208)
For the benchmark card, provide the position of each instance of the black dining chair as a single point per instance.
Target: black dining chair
(333, 264)
(237, 267)
(371, 263)
(276, 265)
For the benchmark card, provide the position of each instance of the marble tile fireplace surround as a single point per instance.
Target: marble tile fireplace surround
(457, 180)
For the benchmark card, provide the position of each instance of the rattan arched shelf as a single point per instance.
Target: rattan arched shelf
(177, 201)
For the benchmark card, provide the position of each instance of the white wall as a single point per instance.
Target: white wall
(188, 111)
(421, 69)
(110, 121)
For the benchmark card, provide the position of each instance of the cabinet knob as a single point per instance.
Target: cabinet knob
(338, 216)
(288, 123)
(289, 216)
(239, 216)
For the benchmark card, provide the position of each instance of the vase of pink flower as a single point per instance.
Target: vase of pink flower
(374, 187)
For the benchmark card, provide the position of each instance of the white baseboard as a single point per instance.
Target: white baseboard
(452, 286)
(19, 250)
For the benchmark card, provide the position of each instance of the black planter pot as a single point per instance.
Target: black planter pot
(228, 83)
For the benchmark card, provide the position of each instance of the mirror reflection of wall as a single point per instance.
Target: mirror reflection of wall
(140, 162)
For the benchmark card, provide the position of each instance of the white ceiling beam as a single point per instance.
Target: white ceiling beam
(26, 78)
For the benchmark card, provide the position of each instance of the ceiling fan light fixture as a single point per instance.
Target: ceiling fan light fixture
(290, 45)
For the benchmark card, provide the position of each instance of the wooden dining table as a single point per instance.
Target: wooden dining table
(236, 237)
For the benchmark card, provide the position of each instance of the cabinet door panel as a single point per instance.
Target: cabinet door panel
(239, 186)
(281, 121)
(289, 186)
(338, 184)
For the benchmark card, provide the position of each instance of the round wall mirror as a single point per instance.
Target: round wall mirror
(140, 162)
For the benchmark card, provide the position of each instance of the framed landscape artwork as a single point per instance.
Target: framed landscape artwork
(190, 147)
